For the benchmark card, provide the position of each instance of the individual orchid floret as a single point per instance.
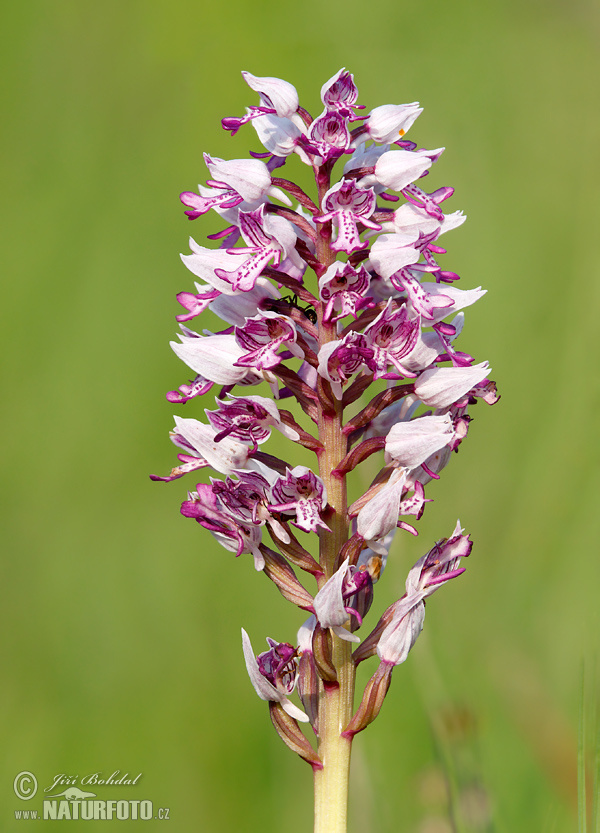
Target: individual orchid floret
(247, 501)
(423, 303)
(262, 336)
(429, 202)
(410, 443)
(330, 609)
(392, 252)
(191, 460)
(249, 178)
(340, 93)
(269, 238)
(411, 219)
(214, 357)
(392, 336)
(207, 198)
(398, 168)
(248, 419)
(234, 182)
(280, 137)
(204, 263)
(440, 564)
(398, 629)
(340, 359)
(389, 122)
(487, 391)
(203, 506)
(273, 674)
(195, 304)
(440, 387)
(225, 456)
(379, 516)
(301, 492)
(328, 137)
(275, 94)
(402, 632)
(197, 386)
(344, 290)
(432, 570)
(346, 205)
(461, 298)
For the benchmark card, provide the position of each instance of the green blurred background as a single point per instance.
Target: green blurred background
(120, 619)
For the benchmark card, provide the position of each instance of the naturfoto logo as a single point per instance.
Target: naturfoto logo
(64, 800)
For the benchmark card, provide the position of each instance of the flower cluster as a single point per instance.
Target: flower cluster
(379, 312)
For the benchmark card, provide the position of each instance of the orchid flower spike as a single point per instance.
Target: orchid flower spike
(335, 333)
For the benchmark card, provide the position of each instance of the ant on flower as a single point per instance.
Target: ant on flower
(287, 304)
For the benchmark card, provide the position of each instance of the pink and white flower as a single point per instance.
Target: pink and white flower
(431, 571)
(303, 493)
(346, 204)
(273, 673)
(343, 289)
(262, 336)
(440, 387)
(410, 443)
(270, 239)
(390, 122)
(248, 419)
(392, 336)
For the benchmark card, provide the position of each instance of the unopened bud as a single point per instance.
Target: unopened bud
(308, 687)
(372, 700)
(290, 733)
(282, 575)
(321, 643)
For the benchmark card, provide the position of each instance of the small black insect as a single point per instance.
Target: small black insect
(282, 306)
(308, 311)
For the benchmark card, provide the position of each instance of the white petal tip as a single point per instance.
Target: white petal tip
(294, 711)
(346, 635)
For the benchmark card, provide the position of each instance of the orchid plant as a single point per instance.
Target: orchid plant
(378, 313)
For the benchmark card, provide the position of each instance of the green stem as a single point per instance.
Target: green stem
(335, 711)
(336, 700)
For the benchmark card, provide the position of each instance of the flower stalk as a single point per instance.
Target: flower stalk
(336, 700)
(361, 314)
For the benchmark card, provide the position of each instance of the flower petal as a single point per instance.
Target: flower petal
(411, 443)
